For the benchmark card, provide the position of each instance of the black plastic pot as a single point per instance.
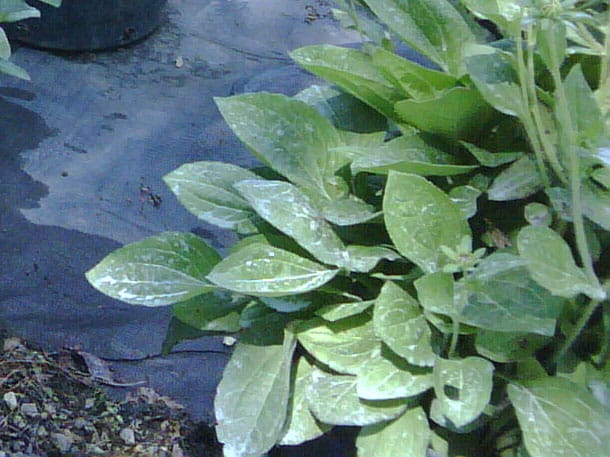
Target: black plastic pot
(87, 25)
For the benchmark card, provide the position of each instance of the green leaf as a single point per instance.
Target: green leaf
(433, 27)
(519, 180)
(5, 47)
(491, 159)
(493, 75)
(550, 262)
(551, 41)
(251, 415)
(301, 426)
(55, 3)
(505, 347)
(365, 258)
(353, 71)
(345, 111)
(420, 218)
(457, 113)
(596, 205)
(343, 345)
(288, 135)
(349, 210)
(388, 376)
(502, 296)
(206, 190)
(338, 311)
(262, 270)
(407, 436)
(408, 154)
(288, 209)
(586, 116)
(16, 10)
(160, 270)
(436, 295)
(463, 388)
(465, 197)
(400, 323)
(11, 69)
(501, 12)
(560, 418)
(333, 400)
(414, 80)
(216, 311)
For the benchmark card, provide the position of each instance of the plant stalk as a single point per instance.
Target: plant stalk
(576, 331)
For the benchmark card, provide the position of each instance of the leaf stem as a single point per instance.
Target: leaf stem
(546, 145)
(454, 335)
(576, 330)
(525, 115)
(566, 130)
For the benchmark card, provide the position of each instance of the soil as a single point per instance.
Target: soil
(53, 404)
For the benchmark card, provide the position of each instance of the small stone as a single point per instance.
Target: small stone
(62, 442)
(11, 400)
(177, 451)
(179, 62)
(12, 344)
(89, 403)
(128, 436)
(42, 431)
(29, 409)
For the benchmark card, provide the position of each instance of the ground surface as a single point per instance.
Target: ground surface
(83, 147)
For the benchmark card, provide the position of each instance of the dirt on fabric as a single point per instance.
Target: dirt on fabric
(53, 405)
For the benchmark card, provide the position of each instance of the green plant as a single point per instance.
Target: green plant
(416, 277)
(13, 11)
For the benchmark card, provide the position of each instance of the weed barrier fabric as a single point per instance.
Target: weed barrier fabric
(83, 148)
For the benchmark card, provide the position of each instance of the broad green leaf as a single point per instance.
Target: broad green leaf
(465, 197)
(288, 209)
(502, 296)
(551, 41)
(301, 426)
(289, 304)
(5, 47)
(290, 136)
(519, 180)
(436, 295)
(413, 79)
(55, 3)
(16, 10)
(420, 218)
(262, 270)
(463, 388)
(507, 347)
(388, 376)
(251, 415)
(11, 69)
(432, 27)
(216, 311)
(338, 311)
(353, 71)
(559, 418)
(349, 210)
(343, 345)
(501, 12)
(596, 205)
(457, 113)
(160, 270)
(408, 154)
(333, 400)
(365, 258)
(345, 111)
(491, 159)
(586, 116)
(206, 190)
(493, 75)
(550, 262)
(400, 323)
(407, 436)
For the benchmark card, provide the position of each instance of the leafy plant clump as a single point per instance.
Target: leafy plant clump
(13, 11)
(424, 253)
